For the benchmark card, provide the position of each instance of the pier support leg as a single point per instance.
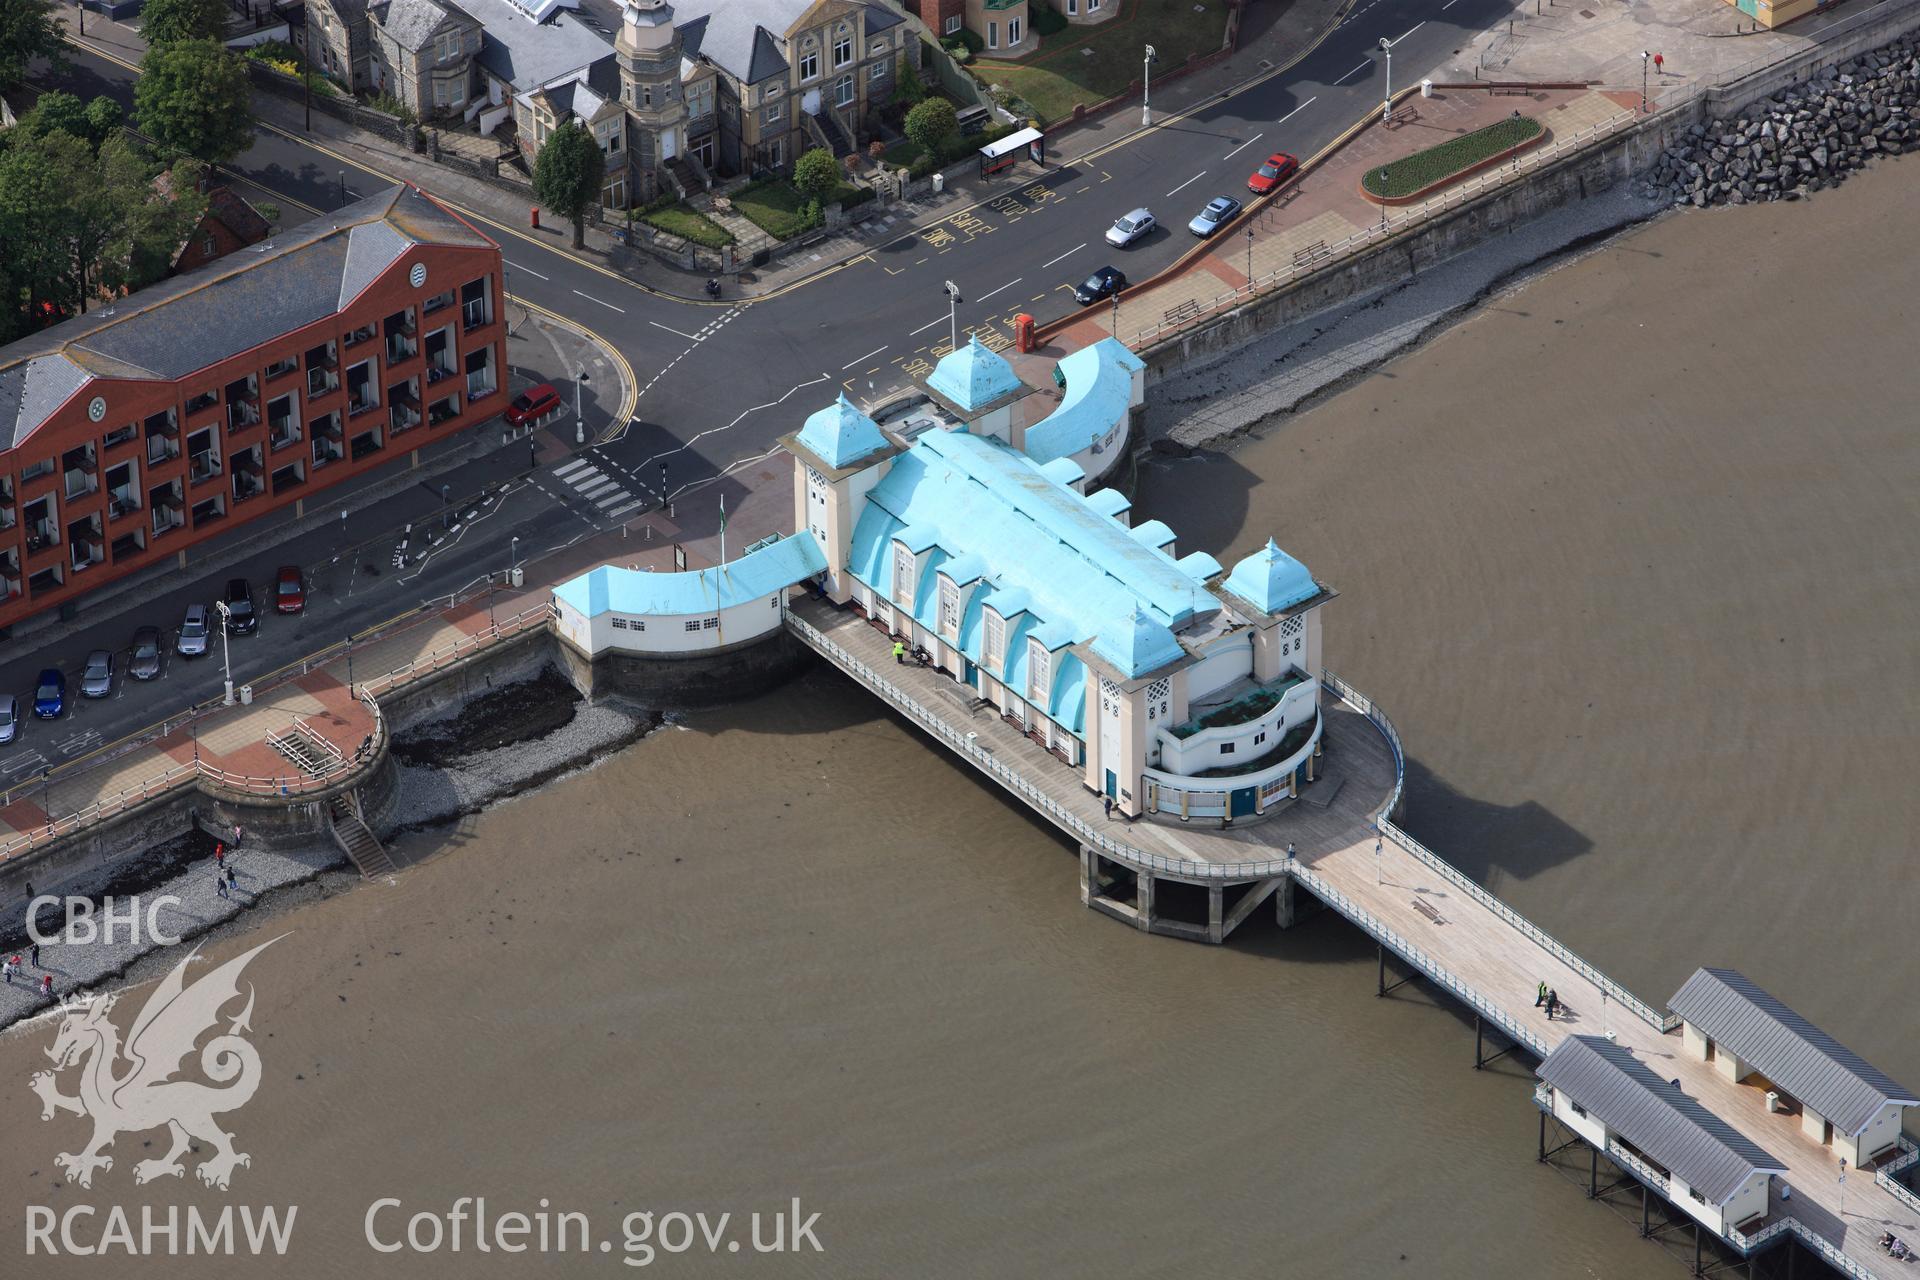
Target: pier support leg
(1216, 913)
(1696, 1251)
(1383, 968)
(1593, 1175)
(1089, 875)
(1283, 914)
(1543, 1137)
(1479, 1044)
(1143, 900)
(1646, 1211)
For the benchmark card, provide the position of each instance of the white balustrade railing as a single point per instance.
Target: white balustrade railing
(1646, 1172)
(1459, 880)
(1883, 1176)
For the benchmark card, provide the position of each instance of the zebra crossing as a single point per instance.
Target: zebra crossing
(610, 496)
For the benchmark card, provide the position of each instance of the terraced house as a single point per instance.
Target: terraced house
(423, 53)
(249, 385)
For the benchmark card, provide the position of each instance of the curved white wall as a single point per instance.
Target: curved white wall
(670, 633)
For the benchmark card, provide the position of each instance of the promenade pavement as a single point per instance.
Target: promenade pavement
(1312, 215)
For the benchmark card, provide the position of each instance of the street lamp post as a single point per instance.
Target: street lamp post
(226, 655)
(1146, 88)
(1645, 58)
(306, 67)
(446, 506)
(579, 421)
(953, 313)
(341, 175)
(1386, 103)
(1384, 188)
(1249, 259)
(513, 554)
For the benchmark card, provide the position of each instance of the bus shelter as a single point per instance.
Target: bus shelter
(1005, 153)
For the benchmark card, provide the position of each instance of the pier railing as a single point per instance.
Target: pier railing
(1638, 1167)
(1418, 958)
(1465, 884)
(1883, 1176)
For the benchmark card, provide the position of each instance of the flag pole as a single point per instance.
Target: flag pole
(723, 530)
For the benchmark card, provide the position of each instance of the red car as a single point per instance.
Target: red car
(1278, 168)
(289, 590)
(532, 405)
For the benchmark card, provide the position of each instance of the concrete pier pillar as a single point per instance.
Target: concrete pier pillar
(1283, 913)
(1089, 873)
(1143, 900)
(1216, 913)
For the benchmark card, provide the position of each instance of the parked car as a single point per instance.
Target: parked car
(532, 404)
(1218, 212)
(143, 661)
(9, 717)
(50, 695)
(194, 628)
(1103, 283)
(1129, 228)
(241, 619)
(96, 678)
(289, 590)
(1279, 167)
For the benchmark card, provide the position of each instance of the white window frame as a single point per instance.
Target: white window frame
(846, 91)
(810, 59)
(953, 25)
(993, 35)
(877, 71)
(1013, 32)
(1039, 672)
(773, 113)
(903, 573)
(949, 608)
(996, 648)
(842, 51)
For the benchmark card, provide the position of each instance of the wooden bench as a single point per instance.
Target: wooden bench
(1428, 910)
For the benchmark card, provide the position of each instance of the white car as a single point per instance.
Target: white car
(1130, 228)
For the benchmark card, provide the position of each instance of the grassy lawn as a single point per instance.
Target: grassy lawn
(1092, 64)
(689, 224)
(1417, 172)
(777, 208)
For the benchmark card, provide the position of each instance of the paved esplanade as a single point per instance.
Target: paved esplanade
(1406, 898)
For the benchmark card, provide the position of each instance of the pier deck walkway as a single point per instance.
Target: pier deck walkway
(1414, 904)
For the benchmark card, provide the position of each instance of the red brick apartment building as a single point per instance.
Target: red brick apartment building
(128, 435)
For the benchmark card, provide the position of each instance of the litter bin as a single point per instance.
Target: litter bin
(1426, 88)
(517, 576)
(939, 182)
(246, 695)
(1023, 332)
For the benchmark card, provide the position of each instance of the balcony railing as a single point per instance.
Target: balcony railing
(122, 502)
(479, 385)
(404, 418)
(320, 384)
(399, 349)
(473, 315)
(160, 449)
(42, 534)
(241, 416)
(202, 467)
(437, 372)
(281, 436)
(357, 406)
(81, 483)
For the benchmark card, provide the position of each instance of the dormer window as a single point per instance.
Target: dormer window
(949, 609)
(1039, 673)
(996, 653)
(903, 574)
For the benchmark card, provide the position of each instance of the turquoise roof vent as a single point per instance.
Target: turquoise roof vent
(973, 377)
(1271, 580)
(840, 435)
(1138, 645)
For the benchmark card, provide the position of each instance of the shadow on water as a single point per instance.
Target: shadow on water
(1483, 839)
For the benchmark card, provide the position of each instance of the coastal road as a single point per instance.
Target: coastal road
(720, 382)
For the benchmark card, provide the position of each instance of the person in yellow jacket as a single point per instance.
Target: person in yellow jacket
(900, 653)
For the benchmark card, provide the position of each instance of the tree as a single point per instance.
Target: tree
(33, 195)
(170, 21)
(29, 29)
(816, 174)
(930, 123)
(568, 174)
(192, 99)
(58, 112)
(155, 225)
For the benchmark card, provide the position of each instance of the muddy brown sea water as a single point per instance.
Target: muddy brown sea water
(1629, 557)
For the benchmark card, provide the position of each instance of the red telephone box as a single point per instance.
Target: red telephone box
(1023, 332)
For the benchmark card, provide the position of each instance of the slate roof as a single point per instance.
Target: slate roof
(411, 23)
(1674, 1130)
(1804, 1061)
(755, 576)
(239, 217)
(528, 54)
(198, 319)
(737, 35)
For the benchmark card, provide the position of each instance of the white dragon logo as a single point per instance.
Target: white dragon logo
(145, 1096)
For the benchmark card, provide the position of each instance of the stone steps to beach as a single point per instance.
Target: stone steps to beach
(357, 841)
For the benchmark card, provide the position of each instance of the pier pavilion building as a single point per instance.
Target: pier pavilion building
(1174, 687)
(1750, 1037)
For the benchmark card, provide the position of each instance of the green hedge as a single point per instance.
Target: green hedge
(285, 59)
(689, 224)
(956, 148)
(1404, 177)
(1047, 20)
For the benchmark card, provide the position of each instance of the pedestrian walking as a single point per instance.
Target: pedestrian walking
(219, 855)
(8, 966)
(219, 884)
(236, 835)
(33, 953)
(1659, 63)
(232, 881)
(1540, 996)
(1106, 802)
(46, 986)
(1553, 1003)
(899, 653)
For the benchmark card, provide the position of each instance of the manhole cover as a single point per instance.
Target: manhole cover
(1586, 13)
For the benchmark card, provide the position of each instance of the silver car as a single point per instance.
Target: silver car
(1130, 228)
(96, 678)
(9, 717)
(192, 640)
